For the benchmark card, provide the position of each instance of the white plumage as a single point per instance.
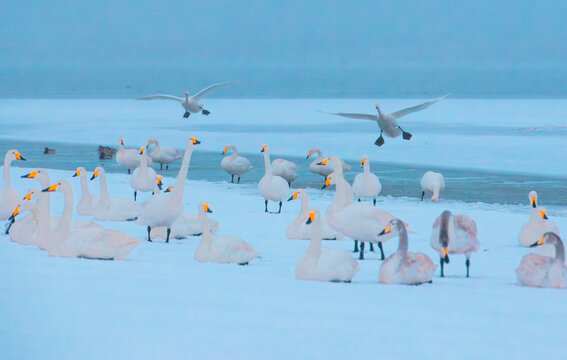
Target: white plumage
(129, 158)
(234, 164)
(9, 197)
(323, 170)
(163, 154)
(434, 183)
(366, 185)
(272, 187)
(298, 229)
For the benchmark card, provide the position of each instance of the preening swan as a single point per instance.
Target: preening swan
(298, 229)
(190, 103)
(388, 122)
(544, 271)
(112, 208)
(454, 235)
(233, 163)
(163, 209)
(9, 197)
(130, 158)
(88, 202)
(163, 154)
(324, 264)
(537, 225)
(403, 266)
(285, 169)
(322, 170)
(366, 185)
(432, 182)
(222, 249)
(144, 178)
(272, 187)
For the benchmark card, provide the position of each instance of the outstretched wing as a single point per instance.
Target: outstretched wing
(354, 116)
(425, 105)
(161, 96)
(203, 92)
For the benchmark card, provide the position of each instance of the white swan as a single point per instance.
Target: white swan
(43, 203)
(388, 122)
(88, 202)
(222, 249)
(285, 169)
(434, 183)
(164, 208)
(403, 266)
(129, 158)
(23, 230)
(538, 224)
(234, 164)
(454, 235)
(9, 197)
(366, 185)
(298, 229)
(163, 154)
(143, 178)
(190, 103)
(111, 208)
(324, 264)
(544, 271)
(322, 170)
(272, 187)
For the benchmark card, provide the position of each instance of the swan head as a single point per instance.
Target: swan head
(227, 148)
(547, 238)
(23, 206)
(205, 207)
(32, 194)
(61, 185)
(80, 171)
(159, 181)
(97, 171)
(169, 189)
(533, 198)
(543, 213)
(264, 148)
(393, 226)
(296, 194)
(186, 92)
(193, 140)
(377, 106)
(324, 162)
(30, 175)
(121, 141)
(142, 150)
(330, 180)
(364, 160)
(312, 215)
(14, 155)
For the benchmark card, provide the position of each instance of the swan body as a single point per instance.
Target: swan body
(432, 182)
(129, 158)
(88, 202)
(9, 197)
(272, 187)
(323, 170)
(286, 169)
(163, 154)
(537, 225)
(544, 271)
(222, 249)
(187, 224)
(366, 185)
(111, 208)
(300, 230)
(143, 179)
(403, 266)
(234, 164)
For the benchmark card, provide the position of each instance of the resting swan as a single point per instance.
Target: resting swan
(454, 235)
(538, 224)
(272, 187)
(544, 271)
(23, 230)
(9, 197)
(88, 202)
(403, 266)
(163, 154)
(298, 229)
(322, 170)
(324, 264)
(129, 157)
(234, 164)
(222, 249)
(366, 185)
(43, 202)
(434, 183)
(111, 208)
(286, 169)
(144, 178)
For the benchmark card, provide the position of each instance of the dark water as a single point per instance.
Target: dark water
(397, 180)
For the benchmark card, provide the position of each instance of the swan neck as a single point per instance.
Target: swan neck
(267, 163)
(64, 224)
(7, 164)
(366, 167)
(177, 192)
(403, 245)
(205, 228)
(85, 194)
(560, 250)
(234, 152)
(315, 245)
(304, 204)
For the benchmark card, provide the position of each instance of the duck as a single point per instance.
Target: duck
(454, 235)
(272, 187)
(163, 209)
(434, 183)
(143, 178)
(129, 158)
(163, 154)
(544, 271)
(234, 164)
(322, 170)
(112, 208)
(321, 263)
(91, 241)
(222, 249)
(9, 197)
(286, 169)
(299, 230)
(403, 266)
(88, 202)
(366, 185)
(537, 225)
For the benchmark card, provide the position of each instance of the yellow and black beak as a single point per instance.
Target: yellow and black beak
(543, 215)
(51, 188)
(387, 230)
(293, 197)
(308, 155)
(326, 184)
(121, 141)
(31, 175)
(149, 144)
(142, 151)
(264, 148)
(223, 151)
(77, 173)
(310, 217)
(159, 183)
(324, 162)
(534, 202)
(377, 106)
(195, 141)
(445, 252)
(207, 208)
(168, 189)
(14, 214)
(95, 175)
(362, 163)
(19, 156)
(539, 242)
(28, 196)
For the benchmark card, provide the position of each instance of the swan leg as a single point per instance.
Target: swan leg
(280, 209)
(232, 179)
(355, 246)
(405, 135)
(380, 140)
(167, 167)
(361, 256)
(381, 250)
(371, 247)
(160, 166)
(266, 208)
(149, 236)
(135, 194)
(186, 115)
(468, 264)
(358, 199)
(239, 179)
(128, 171)
(206, 112)
(374, 201)
(442, 261)
(422, 195)
(167, 236)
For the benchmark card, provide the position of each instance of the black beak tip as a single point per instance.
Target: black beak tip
(308, 221)
(45, 190)
(533, 204)
(92, 177)
(534, 244)
(382, 233)
(22, 158)
(75, 175)
(209, 210)
(290, 198)
(197, 142)
(324, 186)
(24, 176)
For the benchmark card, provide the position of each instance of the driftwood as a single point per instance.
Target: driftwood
(105, 152)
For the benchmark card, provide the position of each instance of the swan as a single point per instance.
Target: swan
(129, 158)
(434, 183)
(163, 154)
(190, 103)
(113, 209)
(234, 164)
(9, 196)
(388, 122)
(88, 202)
(366, 185)
(537, 225)
(23, 230)
(91, 241)
(403, 266)
(272, 187)
(298, 229)
(324, 264)
(285, 169)
(544, 271)
(163, 209)
(322, 170)
(454, 235)
(143, 178)
(43, 202)
(222, 249)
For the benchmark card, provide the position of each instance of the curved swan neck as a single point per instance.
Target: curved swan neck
(444, 229)
(7, 164)
(315, 245)
(267, 163)
(205, 228)
(304, 203)
(403, 245)
(157, 145)
(559, 247)
(103, 187)
(234, 151)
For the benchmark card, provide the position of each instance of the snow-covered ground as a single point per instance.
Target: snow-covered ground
(160, 303)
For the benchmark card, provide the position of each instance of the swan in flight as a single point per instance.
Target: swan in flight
(272, 187)
(366, 185)
(432, 182)
(163, 154)
(298, 229)
(323, 170)
(388, 122)
(403, 266)
(190, 103)
(9, 197)
(129, 158)
(321, 263)
(544, 271)
(454, 235)
(234, 164)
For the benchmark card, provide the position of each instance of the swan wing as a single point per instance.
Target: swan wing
(354, 116)
(161, 96)
(425, 105)
(206, 90)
